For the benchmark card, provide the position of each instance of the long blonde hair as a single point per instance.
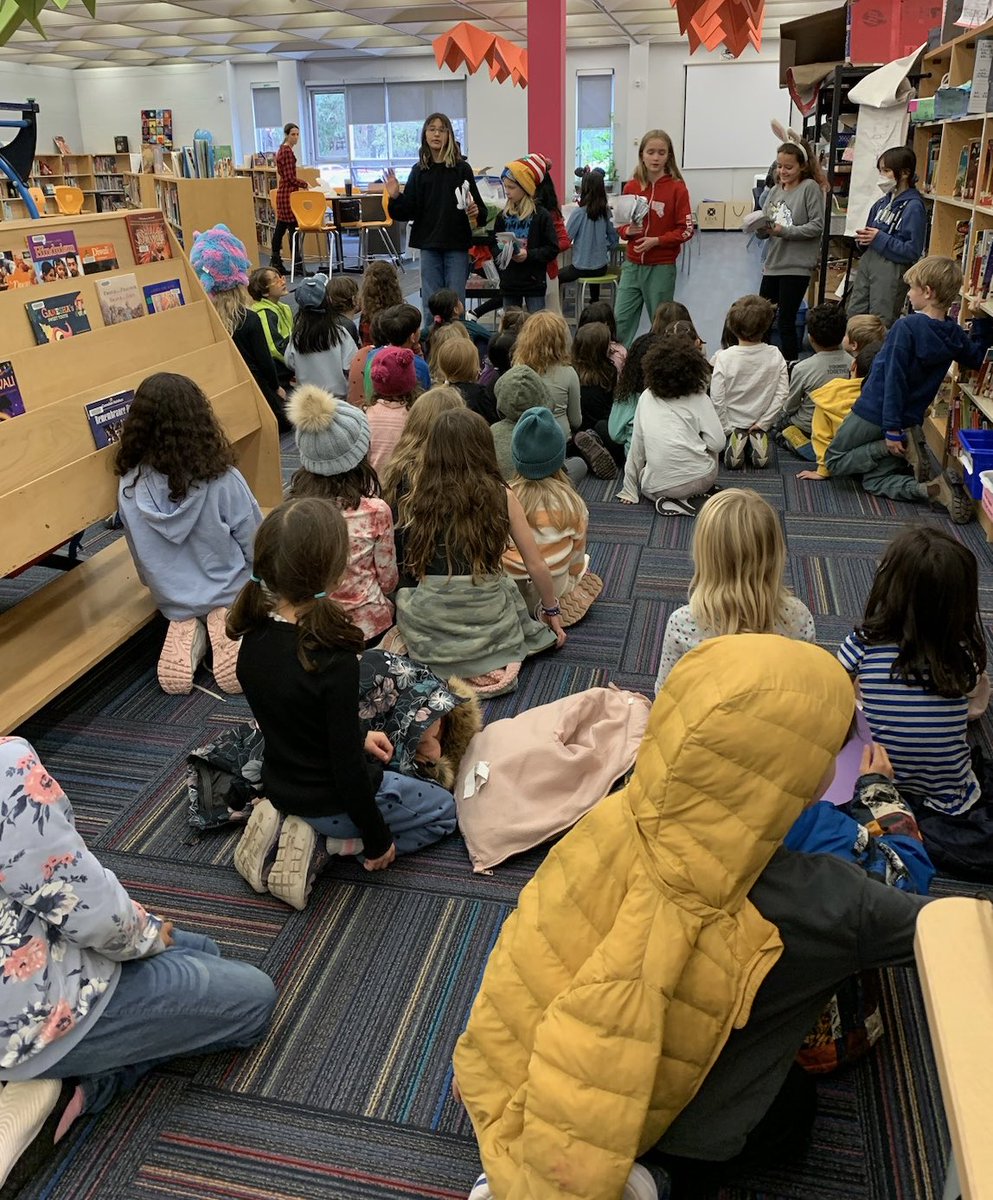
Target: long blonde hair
(542, 343)
(739, 555)
(231, 306)
(554, 494)
(405, 459)
(439, 336)
(671, 166)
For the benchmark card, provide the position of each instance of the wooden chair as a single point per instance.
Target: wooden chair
(69, 199)
(309, 209)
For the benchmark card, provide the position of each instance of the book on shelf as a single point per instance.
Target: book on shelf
(980, 251)
(149, 238)
(16, 270)
(960, 246)
(982, 77)
(58, 317)
(61, 145)
(931, 161)
(958, 187)
(984, 193)
(120, 299)
(106, 418)
(104, 164)
(11, 402)
(98, 258)
(972, 170)
(55, 255)
(159, 297)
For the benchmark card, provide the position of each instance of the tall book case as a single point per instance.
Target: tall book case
(263, 180)
(961, 214)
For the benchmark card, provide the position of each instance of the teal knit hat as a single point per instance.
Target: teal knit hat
(538, 445)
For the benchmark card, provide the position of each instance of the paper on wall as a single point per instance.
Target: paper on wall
(883, 120)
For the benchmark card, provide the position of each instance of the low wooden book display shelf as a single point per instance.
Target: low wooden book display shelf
(54, 481)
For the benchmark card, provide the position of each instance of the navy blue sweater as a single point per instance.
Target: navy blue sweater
(902, 224)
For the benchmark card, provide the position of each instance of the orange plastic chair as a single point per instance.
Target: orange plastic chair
(309, 209)
(40, 199)
(363, 227)
(69, 199)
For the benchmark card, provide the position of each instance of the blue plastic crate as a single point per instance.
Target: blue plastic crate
(976, 456)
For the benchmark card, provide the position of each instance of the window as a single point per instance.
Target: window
(268, 118)
(363, 129)
(595, 121)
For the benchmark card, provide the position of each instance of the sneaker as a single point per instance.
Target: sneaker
(24, 1108)
(759, 443)
(481, 1189)
(256, 849)
(734, 455)
(645, 1184)
(674, 508)
(917, 454)
(596, 455)
(947, 490)
(291, 876)
(224, 652)
(182, 652)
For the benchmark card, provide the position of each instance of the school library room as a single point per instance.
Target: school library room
(605, 389)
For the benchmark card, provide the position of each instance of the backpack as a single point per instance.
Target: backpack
(225, 776)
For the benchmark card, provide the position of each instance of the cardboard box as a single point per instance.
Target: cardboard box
(816, 39)
(879, 31)
(735, 212)
(710, 214)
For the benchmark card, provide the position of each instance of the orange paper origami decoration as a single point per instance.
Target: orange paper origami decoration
(735, 23)
(469, 46)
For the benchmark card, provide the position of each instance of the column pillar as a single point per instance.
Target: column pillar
(546, 85)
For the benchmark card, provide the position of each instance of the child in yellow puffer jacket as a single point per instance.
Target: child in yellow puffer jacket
(832, 403)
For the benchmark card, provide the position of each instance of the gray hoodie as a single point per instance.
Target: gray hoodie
(194, 555)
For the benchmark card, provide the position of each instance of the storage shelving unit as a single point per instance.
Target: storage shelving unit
(193, 204)
(99, 176)
(263, 180)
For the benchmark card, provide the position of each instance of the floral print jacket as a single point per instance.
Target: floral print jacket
(66, 923)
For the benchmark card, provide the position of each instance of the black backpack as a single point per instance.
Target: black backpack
(225, 776)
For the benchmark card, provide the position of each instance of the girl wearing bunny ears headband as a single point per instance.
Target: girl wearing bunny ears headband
(798, 148)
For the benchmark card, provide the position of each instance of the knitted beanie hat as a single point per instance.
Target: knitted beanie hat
(311, 293)
(528, 171)
(538, 445)
(331, 435)
(393, 372)
(219, 259)
(519, 389)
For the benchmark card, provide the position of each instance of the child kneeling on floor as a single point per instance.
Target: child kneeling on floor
(677, 434)
(324, 782)
(189, 518)
(556, 514)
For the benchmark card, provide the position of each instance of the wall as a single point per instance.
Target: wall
(111, 99)
(55, 91)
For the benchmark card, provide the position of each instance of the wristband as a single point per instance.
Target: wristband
(896, 435)
(554, 611)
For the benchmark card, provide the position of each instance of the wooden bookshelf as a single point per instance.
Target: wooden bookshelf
(139, 189)
(263, 180)
(100, 177)
(54, 482)
(195, 204)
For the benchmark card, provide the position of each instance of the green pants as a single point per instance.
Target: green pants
(641, 285)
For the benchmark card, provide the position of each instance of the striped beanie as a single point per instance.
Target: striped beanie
(528, 171)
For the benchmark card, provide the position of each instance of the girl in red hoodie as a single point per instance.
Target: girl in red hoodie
(649, 275)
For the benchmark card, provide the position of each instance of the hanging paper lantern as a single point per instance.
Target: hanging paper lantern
(13, 14)
(711, 23)
(466, 45)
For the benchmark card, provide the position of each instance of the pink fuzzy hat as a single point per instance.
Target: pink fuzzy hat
(219, 259)
(393, 372)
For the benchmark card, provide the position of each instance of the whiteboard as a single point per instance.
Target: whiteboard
(726, 113)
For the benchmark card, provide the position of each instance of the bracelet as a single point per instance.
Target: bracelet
(554, 611)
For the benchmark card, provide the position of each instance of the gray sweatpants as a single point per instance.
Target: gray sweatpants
(859, 448)
(878, 288)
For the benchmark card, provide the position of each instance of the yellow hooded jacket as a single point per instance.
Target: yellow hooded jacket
(833, 401)
(634, 951)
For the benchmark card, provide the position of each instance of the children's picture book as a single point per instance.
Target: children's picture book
(931, 170)
(61, 145)
(106, 418)
(54, 255)
(98, 258)
(120, 298)
(11, 404)
(149, 238)
(972, 170)
(162, 296)
(958, 188)
(57, 317)
(16, 270)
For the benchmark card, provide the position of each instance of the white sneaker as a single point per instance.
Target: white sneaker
(640, 1185)
(24, 1108)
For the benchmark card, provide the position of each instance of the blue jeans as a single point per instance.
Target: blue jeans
(531, 303)
(186, 1000)
(443, 269)
(417, 811)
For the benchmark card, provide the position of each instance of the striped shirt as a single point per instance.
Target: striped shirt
(924, 733)
(561, 544)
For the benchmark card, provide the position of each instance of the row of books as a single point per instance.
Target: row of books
(55, 318)
(981, 271)
(55, 255)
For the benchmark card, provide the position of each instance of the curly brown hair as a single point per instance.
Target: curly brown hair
(380, 289)
(457, 503)
(301, 551)
(172, 429)
(348, 489)
(674, 367)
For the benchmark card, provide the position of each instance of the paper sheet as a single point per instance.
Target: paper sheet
(883, 119)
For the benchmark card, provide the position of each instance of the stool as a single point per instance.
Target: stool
(686, 250)
(607, 280)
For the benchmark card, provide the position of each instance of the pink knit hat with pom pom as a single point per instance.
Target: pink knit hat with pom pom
(393, 372)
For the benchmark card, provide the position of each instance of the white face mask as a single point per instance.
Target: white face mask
(886, 183)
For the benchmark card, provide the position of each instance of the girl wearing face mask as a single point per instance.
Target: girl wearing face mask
(892, 240)
(794, 211)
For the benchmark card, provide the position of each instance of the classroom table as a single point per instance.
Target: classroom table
(954, 951)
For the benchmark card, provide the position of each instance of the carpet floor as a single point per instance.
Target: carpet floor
(349, 1096)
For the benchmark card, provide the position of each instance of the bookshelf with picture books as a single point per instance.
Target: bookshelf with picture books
(263, 180)
(90, 306)
(100, 177)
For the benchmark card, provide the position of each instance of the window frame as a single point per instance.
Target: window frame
(257, 89)
(610, 162)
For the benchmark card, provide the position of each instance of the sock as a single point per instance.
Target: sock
(70, 1113)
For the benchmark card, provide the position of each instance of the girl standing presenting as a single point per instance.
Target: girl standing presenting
(299, 668)
(189, 518)
(286, 184)
(442, 230)
(653, 245)
(794, 211)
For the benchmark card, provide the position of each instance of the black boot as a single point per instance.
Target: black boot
(277, 264)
